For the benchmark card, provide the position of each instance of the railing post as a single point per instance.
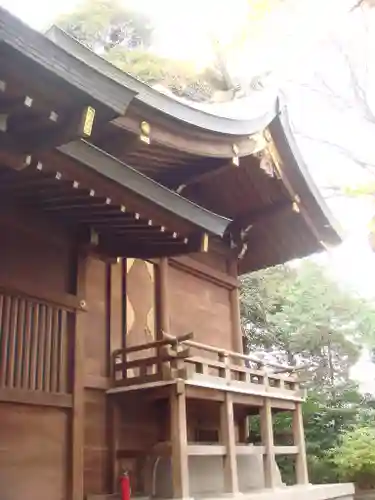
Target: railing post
(180, 470)
(229, 441)
(266, 429)
(302, 475)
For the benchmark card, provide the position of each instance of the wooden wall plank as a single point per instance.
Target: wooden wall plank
(77, 331)
(63, 349)
(5, 340)
(41, 346)
(34, 347)
(55, 351)
(25, 380)
(48, 351)
(35, 398)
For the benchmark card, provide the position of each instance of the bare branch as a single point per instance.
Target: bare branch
(344, 150)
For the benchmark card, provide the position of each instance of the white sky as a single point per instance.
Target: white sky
(289, 44)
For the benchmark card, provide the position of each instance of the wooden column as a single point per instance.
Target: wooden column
(114, 443)
(77, 329)
(164, 311)
(302, 475)
(229, 441)
(180, 470)
(266, 429)
(234, 298)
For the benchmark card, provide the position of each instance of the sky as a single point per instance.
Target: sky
(294, 47)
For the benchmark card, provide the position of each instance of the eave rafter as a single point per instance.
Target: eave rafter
(66, 185)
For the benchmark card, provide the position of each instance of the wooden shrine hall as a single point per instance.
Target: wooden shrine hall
(126, 219)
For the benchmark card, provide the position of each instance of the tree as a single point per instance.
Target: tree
(299, 315)
(104, 24)
(354, 456)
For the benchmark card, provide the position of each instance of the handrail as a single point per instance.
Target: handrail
(150, 345)
(232, 354)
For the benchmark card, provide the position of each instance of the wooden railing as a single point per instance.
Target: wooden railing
(159, 360)
(182, 357)
(33, 344)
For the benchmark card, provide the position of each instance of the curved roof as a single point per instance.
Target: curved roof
(276, 216)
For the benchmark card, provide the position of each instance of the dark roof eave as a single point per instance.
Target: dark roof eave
(315, 210)
(156, 101)
(63, 64)
(124, 175)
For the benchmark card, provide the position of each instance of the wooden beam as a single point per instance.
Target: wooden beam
(36, 398)
(253, 217)
(286, 450)
(195, 268)
(229, 441)
(37, 292)
(180, 470)
(237, 343)
(302, 474)
(266, 430)
(204, 176)
(77, 331)
(206, 450)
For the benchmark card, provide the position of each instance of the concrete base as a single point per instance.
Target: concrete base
(311, 492)
(206, 476)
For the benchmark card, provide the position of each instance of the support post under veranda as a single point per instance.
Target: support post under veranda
(178, 430)
(302, 476)
(266, 429)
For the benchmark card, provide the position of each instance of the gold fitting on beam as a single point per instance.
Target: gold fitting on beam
(58, 176)
(39, 166)
(92, 192)
(75, 184)
(53, 116)
(267, 135)
(28, 102)
(94, 238)
(145, 132)
(123, 208)
(205, 242)
(296, 207)
(235, 159)
(88, 121)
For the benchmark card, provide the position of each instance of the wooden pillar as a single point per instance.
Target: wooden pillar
(114, 442)
(229, 441)
(234, 298)
(302, 475)
(266, 429)
(164, 311)
(77, 329)
(180, 470)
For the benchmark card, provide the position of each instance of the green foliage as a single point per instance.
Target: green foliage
(103, 24)
(299, 315)
(354, 456)
(123, 36)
